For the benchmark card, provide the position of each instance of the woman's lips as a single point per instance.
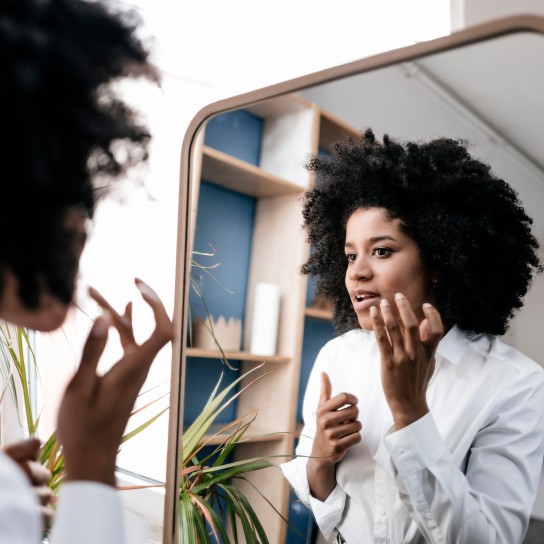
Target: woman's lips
(366, 303)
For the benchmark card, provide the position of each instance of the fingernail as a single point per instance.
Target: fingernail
(399, 296)
(373, 311)
(146, 290)
(384, 303)
(101, 326)
(427, 305)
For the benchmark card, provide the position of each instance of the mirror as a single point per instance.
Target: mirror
(484, 85)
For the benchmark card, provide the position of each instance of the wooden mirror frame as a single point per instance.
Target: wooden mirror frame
(477, 34)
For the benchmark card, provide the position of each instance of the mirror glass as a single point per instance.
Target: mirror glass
(247, 245)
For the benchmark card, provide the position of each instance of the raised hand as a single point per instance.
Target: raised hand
(95, 409)
(25, 454)
(407, 349)
(337, 430)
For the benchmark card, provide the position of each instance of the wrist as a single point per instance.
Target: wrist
(321, 478)
(91, 471)
(404, 418)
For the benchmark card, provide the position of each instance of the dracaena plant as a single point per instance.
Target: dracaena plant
(14, 371)
(207, 495)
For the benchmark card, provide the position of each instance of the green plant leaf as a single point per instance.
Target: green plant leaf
(251, 513)
(143, 426)
(214, 521)
(196, 431)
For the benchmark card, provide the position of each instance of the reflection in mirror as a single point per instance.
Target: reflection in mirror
(245, 229)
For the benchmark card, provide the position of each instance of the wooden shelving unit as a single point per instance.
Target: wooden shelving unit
(237, 175)
(236, 356)
(293, 129)
(318, 313)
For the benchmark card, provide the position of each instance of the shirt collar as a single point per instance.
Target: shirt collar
(453, 345)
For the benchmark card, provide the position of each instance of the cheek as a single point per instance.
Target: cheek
(49, 316)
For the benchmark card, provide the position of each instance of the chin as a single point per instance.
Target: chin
(47, 316)
(43, 319)
(364, 322)
(49, 320)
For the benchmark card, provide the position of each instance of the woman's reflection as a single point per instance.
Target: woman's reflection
(420, 425)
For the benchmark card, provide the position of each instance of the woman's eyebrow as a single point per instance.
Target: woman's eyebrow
(381, 238)
(373, 240)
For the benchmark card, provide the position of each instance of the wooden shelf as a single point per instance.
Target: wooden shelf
(238, 175)
(334, 130)
(236, 356)
(254, 435)
(318, 313)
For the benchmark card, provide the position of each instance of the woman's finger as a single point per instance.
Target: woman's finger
(345, 429)
(410, 324)
(39, 475)
(24, 450)
(134, 366)
(326, 388)
(392, 327)
(163, 332)
(431, 329)
(92, 351)
(382, 339)
(339, 401)
(123, 323)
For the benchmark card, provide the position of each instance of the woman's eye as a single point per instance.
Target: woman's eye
(381, 251)
(351, 257)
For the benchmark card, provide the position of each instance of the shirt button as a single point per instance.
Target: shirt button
(380, 512)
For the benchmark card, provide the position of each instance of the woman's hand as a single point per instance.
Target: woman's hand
(337, 430)
(25, 454)
(407, 350)
(95, 409)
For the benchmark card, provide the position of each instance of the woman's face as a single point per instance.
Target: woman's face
(382, 261)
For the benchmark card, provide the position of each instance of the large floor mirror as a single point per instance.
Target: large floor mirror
(242, 177)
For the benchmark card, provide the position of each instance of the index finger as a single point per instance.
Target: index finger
(340, 400)
(122, 323)
(163, 332)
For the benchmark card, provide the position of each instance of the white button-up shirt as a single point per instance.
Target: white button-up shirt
(87, 512)
(467, 472)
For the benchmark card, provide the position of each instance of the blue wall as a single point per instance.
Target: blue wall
(237, 133)
(317, 332)
(225, 228)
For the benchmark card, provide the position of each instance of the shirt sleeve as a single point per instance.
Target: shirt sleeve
(91, 512)
(19, 509)
(327, 514)
(493, 500)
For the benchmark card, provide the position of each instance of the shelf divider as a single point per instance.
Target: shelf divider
(238, 175)
(318, 313)
(236, 356)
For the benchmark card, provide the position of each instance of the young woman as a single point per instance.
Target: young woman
(64, 127)
(420, 425)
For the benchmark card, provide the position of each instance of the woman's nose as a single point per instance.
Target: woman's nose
(360, 269)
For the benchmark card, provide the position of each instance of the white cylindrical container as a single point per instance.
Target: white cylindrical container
(266, 313)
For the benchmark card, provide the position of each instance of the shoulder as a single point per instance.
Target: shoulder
(523, 368)
(489, 354)
(512, 372)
